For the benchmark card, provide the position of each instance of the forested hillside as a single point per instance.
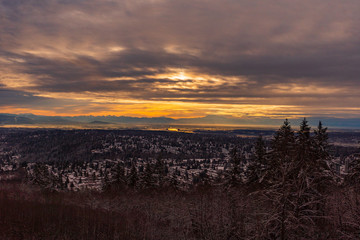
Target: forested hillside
(286, 186)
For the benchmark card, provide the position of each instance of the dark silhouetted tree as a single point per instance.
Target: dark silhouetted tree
(42, 176)
(160, 171)
(133, 177)
(118, 178)
(233, 177)
(321, 141)
(257, 168)
(296, 179)
(173, 181)
(147, 179)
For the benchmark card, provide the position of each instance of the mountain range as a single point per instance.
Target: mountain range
(31, 119)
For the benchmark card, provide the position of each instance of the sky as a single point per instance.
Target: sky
(181, 59)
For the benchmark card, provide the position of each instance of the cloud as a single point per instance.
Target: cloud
(230, 53)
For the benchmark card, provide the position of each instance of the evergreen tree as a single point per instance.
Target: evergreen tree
(41, 176)
(133, 177)
(118, 178)
(160, 171)
(321, 141)
(312, 165)
(283, 144)
(296, 189)
(106, 183)
(258, 165)
(147, 180)
(67, 181)
(353, 176)
(233, 177)
(174, 184)
(260, 150)
(281, 155)
(60, 183)
(304, 143)
(204, 178)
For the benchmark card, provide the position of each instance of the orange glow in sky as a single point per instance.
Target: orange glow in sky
(169, 59)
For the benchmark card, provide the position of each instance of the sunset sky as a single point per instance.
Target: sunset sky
(181, 59)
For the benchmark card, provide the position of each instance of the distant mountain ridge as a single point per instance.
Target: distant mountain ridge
(6, 118)
(31, 119)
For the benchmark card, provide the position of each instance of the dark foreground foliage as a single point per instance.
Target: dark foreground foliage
(204, 213)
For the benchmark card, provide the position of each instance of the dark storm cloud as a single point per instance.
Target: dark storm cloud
(12, 99)
(18, 98)
(279, 52)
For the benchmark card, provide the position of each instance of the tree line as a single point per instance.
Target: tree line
(289, 180)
